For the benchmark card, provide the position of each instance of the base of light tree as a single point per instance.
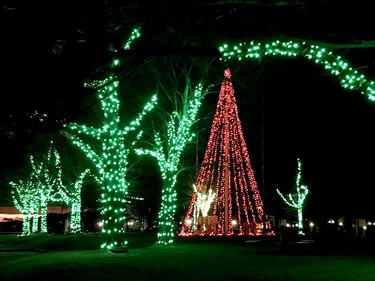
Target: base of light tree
(119, 250)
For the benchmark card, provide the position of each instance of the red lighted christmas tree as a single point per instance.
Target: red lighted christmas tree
(226, 200)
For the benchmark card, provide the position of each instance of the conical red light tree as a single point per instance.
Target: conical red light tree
(226, 200)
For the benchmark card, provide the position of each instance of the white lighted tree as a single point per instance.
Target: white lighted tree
(203, 203)
(297, 200)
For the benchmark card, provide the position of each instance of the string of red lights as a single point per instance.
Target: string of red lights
(237, 208)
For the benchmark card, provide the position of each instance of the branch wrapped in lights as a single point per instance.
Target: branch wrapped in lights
(168, 157)
(348, 77)
(297, 203)
(134, 35)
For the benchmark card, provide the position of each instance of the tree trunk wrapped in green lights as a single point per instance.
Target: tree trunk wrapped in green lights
(168, 153)
(297, 200)
(111, 162)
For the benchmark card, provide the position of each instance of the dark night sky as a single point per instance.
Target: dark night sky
(306, 112)
(308, 115)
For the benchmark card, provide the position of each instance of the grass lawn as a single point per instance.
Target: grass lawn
(77, 257)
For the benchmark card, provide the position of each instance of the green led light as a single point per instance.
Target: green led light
(348, 77)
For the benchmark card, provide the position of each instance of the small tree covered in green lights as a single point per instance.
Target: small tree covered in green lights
(297, 200)
(46, 176)
(45, 185)
(25, 199)
(35, 192)
(167, 149)
(71, 195)
(111, 159)
(75, 202)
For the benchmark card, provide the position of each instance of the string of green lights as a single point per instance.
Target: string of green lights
(348, 77)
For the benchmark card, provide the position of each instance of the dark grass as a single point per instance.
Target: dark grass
(77, 257)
